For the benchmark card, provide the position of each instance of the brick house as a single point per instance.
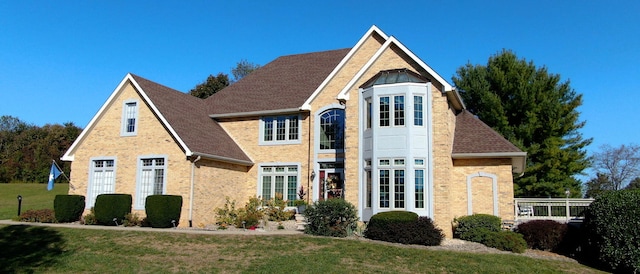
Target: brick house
(372, 124)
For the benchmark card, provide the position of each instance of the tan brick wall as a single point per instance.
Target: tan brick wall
(104, 140)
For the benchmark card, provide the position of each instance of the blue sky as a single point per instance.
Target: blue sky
(60, 60)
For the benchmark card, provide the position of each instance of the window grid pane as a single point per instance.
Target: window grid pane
(266, 187)
(130, 114)
(398, 188)
(384, 111)
(332, 129)
(268, 129)
(369, 191)
(292, 187)
(417, 111)
(419, 188)
(281, 129)
(102, 179)
(293, 128)
(398, 111)
(384, 188)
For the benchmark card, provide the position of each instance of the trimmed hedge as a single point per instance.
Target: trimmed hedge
(543, 234)
(611, 228)
(163, 210)
(112, 206)
(332, 217)
(476, 221)
(68, 208)
(403, 227)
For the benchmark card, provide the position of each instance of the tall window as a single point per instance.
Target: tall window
(419, 182)
(368, 184)
(129, 118)
(392, 183)
(417, 111)
(279, 182)
(102, 179)
(332, 129)
(398, 111)
(151, 179)
(280, 130)
(368, 114)
(384, 111)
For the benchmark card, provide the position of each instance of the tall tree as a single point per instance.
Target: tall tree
(598, 185)
(537, 112)
(210, 86)
(242, 69)
(621, 164)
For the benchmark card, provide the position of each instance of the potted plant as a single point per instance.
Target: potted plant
(301, 203)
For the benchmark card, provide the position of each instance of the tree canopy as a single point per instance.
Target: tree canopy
(620, 164)
(210, 86)
(242, 69)
(537, 112)
(26, 151)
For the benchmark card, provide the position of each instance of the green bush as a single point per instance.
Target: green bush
(38, 216)
(543, 234)
(611, 228)
(332, 217)
(163, 211)
(68, 208)
(476, 221)
(505, 240)
(390, 226)
(403, 227)
(275, 210)
(251, 214)
(112, 206)
(227, 215)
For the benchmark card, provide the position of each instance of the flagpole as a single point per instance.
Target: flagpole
(65, 175)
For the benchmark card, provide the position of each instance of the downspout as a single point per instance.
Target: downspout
(310, 168)
(193, 173)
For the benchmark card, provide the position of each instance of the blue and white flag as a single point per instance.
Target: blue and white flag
(53, 174)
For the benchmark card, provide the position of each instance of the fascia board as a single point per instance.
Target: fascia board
(224, 159)
(256, 113)
(518, 159)
(69, 154)
(374, 28)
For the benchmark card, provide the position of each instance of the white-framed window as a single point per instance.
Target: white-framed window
(418, 113)
(391, 183)
(368, 184)
(332, 129)
(369, 111)
(279, 181)
(129, 121)
(275, 130)
(391, 112)
(102, 179)
(419, 171)
(152, 177)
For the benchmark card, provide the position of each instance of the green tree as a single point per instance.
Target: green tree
(537, 112)
(210, 86)
(634, 184)
(242, 69)
(598, 185)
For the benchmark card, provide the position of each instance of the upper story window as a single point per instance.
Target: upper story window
(129, 118)
(332, 129)
(418, 113)
(280, 130)
(386, 109)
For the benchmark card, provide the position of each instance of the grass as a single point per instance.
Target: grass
(34, 196)
(60, 250)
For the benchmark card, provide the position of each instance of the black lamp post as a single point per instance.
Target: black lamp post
(19, 204)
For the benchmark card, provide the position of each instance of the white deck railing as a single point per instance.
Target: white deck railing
(558, 209)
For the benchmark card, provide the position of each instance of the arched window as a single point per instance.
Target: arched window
(332, 129)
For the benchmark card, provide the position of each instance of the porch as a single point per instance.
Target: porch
(557, 209)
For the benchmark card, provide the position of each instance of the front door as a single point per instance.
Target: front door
(331, 184)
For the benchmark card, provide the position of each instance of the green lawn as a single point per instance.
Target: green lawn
(34, 196)
(73, 250)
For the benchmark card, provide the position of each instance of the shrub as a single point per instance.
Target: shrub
(163, 210)
(476, 221)
(89, 219)
(275, 210)
(132, 219)
(332, 217)
(610, 226)
(390, 226)
(227, 215)
(38, 216)
(505, 240)
(405, 229)
(112, 206)
(251, 214)
(68, 208)
(543, 234)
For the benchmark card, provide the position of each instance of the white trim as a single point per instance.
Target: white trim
(316, 129)
(224, 159)
(374, 28)
(256, 113)
(274, 141)
(518, 159)
(69, 154)
(494, 180)
(124, 118)
(344, 93)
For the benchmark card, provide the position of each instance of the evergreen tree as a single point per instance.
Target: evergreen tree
(210, 86)
(537, 112)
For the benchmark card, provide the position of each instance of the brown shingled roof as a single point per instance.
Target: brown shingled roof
(285, 83)
(187, 115)
(474, 136)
